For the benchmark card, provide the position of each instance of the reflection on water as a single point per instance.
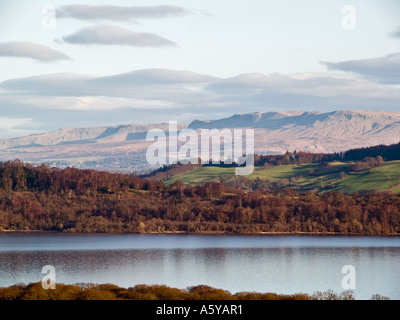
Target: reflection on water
(235, 263)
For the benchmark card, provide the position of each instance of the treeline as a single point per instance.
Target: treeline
(18, 176)
(89, 291)
(388, 153)
(72, 200)
(294, 158)
(367, 163)
(169, 171)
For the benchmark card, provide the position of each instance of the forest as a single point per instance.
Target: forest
(73, 200)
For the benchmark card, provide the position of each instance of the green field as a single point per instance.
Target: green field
(306, 177)
(384, 178)
(203, 175)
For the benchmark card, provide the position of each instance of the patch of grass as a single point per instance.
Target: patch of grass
(202, 175)
(382, 178)
(281, 172)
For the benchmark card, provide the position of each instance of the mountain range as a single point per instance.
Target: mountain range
(123, 147)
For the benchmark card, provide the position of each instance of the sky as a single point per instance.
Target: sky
(85, 64)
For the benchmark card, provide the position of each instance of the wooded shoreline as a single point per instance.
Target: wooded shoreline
(90, 291)
(214, 233)
(87, 201)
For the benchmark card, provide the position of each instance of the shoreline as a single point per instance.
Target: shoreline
(212, 233)
(155, 292)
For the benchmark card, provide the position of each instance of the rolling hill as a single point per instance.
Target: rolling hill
(302, 178)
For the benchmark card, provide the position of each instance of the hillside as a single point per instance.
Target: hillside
(302, 178)
(366, 169)
(67, 136)
(277, 132)
(123, 147)
(110, 148)
(72, 200)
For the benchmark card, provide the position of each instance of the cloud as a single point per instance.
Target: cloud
(59, 84)
(395, 34)
(112, 35)
(31, 50)
(384, 70)
(15, 127)
(158, 84)
(156, 76)
(117, 13)
(190, 87)
(157, 95)
(254, 85)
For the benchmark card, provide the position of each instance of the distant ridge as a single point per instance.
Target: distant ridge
(80, 135)
(328, 132)
(275, 120)
(124, 146)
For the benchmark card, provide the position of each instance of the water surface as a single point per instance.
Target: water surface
(281, 264)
